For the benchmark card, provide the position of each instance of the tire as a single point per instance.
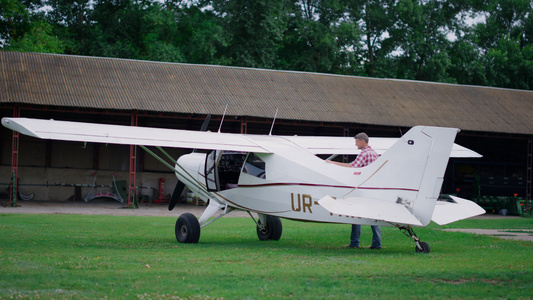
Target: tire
(425, 248)
(272, 230)
(187, 229)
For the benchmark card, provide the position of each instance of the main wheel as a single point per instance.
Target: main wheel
(187, 229)
(272, 229)
(425, 247)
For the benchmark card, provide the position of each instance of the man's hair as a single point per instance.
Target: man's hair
(362, 136)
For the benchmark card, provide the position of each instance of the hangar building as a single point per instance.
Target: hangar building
(495, 122)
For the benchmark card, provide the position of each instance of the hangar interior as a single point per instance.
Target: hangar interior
(36, 86)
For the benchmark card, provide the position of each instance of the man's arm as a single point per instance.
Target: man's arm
(347, 165)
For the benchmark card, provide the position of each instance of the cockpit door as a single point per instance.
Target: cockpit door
(211, 170)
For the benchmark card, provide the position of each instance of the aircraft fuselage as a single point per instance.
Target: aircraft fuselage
(272, 185)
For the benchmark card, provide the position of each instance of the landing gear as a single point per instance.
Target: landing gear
(421, 247)
(187, 229)
(271, 230)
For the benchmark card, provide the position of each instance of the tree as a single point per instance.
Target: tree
(255, 28)
(14, 21)
(115, 29)
(505, 39)
(407, 39)
(38, 39)
(419, 37)
(375, 19)
(201, 36)
(71, 22)
(319, 38)
(158, 33)
(510, 65)
(466, 62)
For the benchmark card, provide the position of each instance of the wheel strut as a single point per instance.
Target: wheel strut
(421, 247)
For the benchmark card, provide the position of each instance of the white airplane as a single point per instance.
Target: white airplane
(282, 176)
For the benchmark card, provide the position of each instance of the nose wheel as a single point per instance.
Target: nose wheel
(421, 247)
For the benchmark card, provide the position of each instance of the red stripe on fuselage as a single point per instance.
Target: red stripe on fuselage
(323, 185)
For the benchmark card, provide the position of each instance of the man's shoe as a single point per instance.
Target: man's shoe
(375, 248)
(351, 246)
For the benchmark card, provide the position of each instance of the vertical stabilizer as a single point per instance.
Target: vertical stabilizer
(441, 146)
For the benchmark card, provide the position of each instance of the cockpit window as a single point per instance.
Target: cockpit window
(254, 166)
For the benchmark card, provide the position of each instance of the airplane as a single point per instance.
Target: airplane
(283, 176)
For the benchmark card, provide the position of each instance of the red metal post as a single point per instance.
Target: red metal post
(13, 191)
(133, 166)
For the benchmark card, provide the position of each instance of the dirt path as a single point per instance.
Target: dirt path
(107, 208)
(508, 234)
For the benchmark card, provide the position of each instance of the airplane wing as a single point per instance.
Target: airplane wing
(370, 209)
(130, 135)
(346, 145)
(446, 212)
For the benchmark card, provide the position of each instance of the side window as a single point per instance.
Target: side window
(254, 166)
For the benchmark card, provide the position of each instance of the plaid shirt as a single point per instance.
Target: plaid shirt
(366, 157)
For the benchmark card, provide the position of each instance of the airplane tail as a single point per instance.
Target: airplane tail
(404, 183)
(439, 142)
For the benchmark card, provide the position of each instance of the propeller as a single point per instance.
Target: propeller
(178, 189)
(176, 195)
(206, 122)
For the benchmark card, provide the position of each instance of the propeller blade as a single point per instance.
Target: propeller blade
(206, 122)
(204, 127)
(176, 195)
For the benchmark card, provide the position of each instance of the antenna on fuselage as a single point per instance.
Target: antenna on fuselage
(222, 121)
(273, 121)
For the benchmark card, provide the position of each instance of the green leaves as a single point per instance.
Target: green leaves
(409, 39)
(38, 39)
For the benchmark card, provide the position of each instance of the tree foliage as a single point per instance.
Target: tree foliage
(480, 42)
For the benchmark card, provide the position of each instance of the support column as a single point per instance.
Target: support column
(132, 202)
(244, 126)
(13, 191)
(346, 133)
(529, 175)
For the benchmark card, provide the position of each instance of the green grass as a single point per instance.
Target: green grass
(78, 256)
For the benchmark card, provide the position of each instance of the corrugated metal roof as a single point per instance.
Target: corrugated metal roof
(76, 81)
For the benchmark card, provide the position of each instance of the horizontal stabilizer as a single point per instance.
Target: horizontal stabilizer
(345, 145)
(457, 209)
(373, 209)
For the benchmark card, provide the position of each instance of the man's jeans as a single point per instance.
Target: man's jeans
(356, 234)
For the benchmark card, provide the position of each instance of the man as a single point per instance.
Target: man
(366, 157)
